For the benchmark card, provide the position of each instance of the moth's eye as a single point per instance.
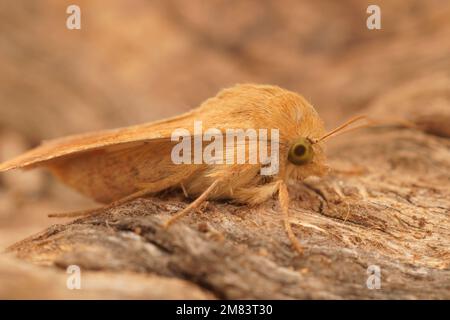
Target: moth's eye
(301, 152)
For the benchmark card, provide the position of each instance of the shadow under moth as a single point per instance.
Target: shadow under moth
(117, 166)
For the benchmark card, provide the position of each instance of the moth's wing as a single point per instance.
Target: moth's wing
(110, 174)
(77, 144)
(110, 164)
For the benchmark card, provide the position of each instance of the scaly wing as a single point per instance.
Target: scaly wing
(122, 138)
(106, 175)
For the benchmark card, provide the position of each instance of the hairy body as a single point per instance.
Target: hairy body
(117, 165)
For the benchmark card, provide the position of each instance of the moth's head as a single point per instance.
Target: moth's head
(300, 128)
(303, 153)
(303, 158)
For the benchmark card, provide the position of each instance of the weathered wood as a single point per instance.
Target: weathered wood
(386, 203)
(21, 280)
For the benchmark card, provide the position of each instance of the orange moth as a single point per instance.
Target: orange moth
(116, 166)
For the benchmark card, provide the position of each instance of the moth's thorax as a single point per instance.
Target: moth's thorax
(262, 106)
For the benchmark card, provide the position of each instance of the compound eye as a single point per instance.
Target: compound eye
(301, 152)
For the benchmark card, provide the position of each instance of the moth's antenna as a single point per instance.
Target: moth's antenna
(345, 125)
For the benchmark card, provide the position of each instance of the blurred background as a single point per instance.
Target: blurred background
(137, 61)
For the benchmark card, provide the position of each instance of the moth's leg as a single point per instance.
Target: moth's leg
(261, 193)
(283, 197)
(90, 212)
(184, 190)
(193, 205)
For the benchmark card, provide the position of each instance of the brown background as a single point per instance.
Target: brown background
(137, 61)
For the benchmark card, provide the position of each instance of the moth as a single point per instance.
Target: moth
(117, 166)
